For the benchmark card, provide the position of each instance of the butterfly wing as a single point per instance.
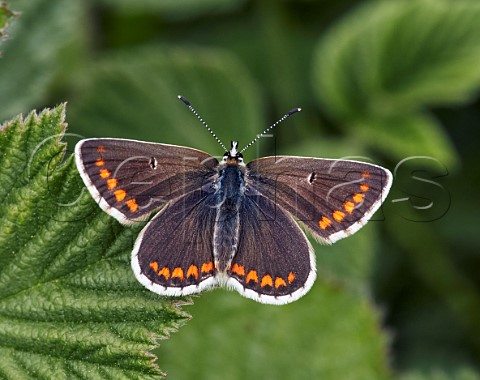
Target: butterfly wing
(173, 254)
(274, 262)
(130, 178)
(332, 198)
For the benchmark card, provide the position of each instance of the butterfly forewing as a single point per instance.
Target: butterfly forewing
(274, 262)
(332, 198)
(130, 179)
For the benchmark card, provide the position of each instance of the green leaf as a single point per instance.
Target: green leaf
(393, 57)
(408, 135)
(70, 306)
(134, 95)
(40, 38)
(388, 60)
(330, 333)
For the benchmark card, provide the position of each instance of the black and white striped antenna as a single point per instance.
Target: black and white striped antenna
(287, 115)
(187, 103)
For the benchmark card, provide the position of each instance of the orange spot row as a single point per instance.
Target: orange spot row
(348, 206)
(266, 280)
(112, 183)
(178, 272)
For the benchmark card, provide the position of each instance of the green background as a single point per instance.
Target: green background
(394, 81)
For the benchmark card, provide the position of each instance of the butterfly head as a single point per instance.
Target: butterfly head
(233, 156)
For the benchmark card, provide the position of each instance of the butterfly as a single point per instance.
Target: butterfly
(224, 222)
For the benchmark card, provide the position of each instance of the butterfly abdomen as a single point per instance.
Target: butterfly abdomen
(230, 194)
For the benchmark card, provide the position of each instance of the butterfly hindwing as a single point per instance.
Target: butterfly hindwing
(274, 262)
(130, 178)
(332, 198)
(173, 255)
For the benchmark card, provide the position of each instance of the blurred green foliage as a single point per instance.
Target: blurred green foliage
(389, 80)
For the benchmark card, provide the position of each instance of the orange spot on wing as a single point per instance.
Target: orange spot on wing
(357, 198)
(252, 276)
(338, 215)
(178, 273)
(324, 222)
(104, 173)
(366, 174)
(100, 162)
(349, 206)
(111, 183)
(132, 204)
(280, 282)
(266, 280)
(291, 277)
(192, 271)
(154, 266)
(364, 187)
(101, 149)
(238, 269)
(207, 267)
(165, 272)
(120, 195)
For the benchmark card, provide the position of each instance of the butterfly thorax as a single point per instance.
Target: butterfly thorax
(231, 186)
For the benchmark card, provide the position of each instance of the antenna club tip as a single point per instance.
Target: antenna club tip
(294, 110)
(184, 100)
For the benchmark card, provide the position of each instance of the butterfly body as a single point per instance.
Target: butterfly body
(228, 223)
(229, 196)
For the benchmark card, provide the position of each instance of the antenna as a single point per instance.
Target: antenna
(187, 103)
(287, 115)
